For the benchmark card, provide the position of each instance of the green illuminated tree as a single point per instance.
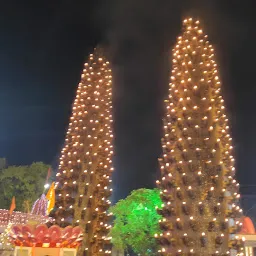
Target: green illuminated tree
(136, 221)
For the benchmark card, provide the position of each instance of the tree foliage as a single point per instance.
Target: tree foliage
(2, 163)
(136, 221)
(26, 183)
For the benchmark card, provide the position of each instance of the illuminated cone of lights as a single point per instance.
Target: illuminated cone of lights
(40, 206)
(198, 189)
(84, 176)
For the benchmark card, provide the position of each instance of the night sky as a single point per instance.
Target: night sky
(43, 45)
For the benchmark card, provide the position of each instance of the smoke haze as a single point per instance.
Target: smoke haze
(140, 35)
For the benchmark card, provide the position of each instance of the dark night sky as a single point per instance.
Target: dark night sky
(42, 48)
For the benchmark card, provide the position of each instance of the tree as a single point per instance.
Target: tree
(26, 183)
(200, 194)
(84, 176)
(136, 221)
(2, 163)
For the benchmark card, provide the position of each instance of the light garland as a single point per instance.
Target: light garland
(20, 218)
(83, 180)
(5, 243)
(200, 211)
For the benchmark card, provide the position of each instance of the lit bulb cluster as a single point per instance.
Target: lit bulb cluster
(40, 206)
(18, 218)
(200, 210)
(5, 243)
(83, 182)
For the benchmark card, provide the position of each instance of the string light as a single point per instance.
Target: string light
(197, 152)
(5, 243)
(86, 159)
(21, 218)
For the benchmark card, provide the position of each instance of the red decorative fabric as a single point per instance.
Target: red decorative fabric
(42, 236)
(248, 227)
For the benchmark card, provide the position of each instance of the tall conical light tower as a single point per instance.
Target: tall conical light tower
(84, 177)
(200, 195)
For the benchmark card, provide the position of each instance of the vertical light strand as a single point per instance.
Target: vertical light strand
(201, 200)
(84, 178)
